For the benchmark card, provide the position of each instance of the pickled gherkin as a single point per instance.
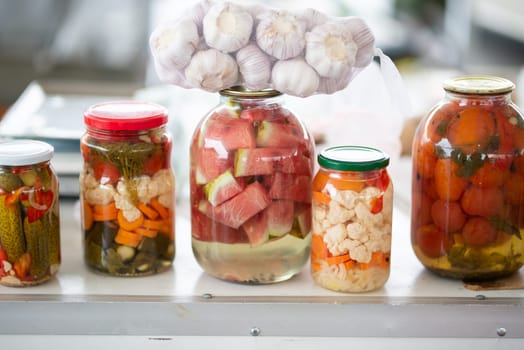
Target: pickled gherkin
(29, 214)
(11, 233)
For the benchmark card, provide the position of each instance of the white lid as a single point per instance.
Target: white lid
(25, 152)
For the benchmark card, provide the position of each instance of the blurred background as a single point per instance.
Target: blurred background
(59, 56)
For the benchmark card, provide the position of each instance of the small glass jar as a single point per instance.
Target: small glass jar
(127, 189)
(467, 216)
(250, 176)
(29, 214)
(352, 219)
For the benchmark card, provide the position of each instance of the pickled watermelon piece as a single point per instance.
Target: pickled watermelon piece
(266, 161)
(240, 208)
(303, 217)
(289, 186)
(256, 114)
(209, 164)
(229, 134)
(256, 228)
(204, 229)
(271, 134)
(281, 214)
(224, 187)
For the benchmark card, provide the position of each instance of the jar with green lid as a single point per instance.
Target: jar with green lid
(127, 189)
(352, 219)
(29, 214)
(251, 171)
(467, 215)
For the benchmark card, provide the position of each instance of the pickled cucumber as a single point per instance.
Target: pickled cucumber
(11, 231)
(9, 182)
(53, 245)
(36, 236)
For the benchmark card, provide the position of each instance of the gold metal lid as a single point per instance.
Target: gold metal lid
(479, 85)
(240, 91)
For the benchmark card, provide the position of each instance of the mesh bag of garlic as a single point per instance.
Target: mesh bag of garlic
(216, 45)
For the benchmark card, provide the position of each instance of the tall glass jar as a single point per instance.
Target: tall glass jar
(352, 219)
(251, 172)
(467, 216)
(127, 189)
(29, 214)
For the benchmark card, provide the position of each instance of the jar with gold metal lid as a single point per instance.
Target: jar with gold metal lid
(467, 217)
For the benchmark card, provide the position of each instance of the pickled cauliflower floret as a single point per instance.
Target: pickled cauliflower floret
(163, 179)
(338, 214)
(166, 200)
(360, 253)
(100, 195)
(131, 214)
(146, 189)
(346, 198)
(87, 180)
(123, 202)
(333, 238)
(365, 217)
(357, 232)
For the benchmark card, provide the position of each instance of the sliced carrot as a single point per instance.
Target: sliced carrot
(347, 184)
(163, 211)
(129, 225)
(128, 238)
(378, 259)
(318, 247)
(147, 211)
(315, 266)
(105, 212)
(350, 264)
(152, 224)
(339, 259)
(321, 197)
(87, 216)
(146, 232)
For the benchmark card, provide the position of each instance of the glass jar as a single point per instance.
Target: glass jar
(467, 214)
(127, 189)
(29, 214)
(250, 177)
(352, 219)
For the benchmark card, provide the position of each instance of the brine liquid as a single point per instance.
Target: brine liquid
(271, 262)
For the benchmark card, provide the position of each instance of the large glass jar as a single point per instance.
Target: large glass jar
(467, 216)
(127, 189)
(251, 171)
(29, 214)
(352, 219)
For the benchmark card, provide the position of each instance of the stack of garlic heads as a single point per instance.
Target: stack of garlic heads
(216, 45)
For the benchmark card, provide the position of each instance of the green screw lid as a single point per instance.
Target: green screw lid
(353, 158)
(479, 85)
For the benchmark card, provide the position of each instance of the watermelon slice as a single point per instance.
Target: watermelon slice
(280, 217)
(229, 133)
(209, 164)
(224, 187)
(266, 161)
(271, 134)
(256, 114)
(303, 218)
(240, 208)
(204, 229)
(290, 186)
(256, 228)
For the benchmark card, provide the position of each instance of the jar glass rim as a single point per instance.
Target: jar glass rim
(241, 91)
(479, 85)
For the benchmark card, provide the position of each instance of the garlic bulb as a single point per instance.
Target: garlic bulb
(364, 39)
(227, 27)
(173, 43)
(211, 70)
(255, 67)
(198, 12)
(330, 49)
(281, 34)
(294, 77)
(171, 76)
(332, 85)
(314, 18)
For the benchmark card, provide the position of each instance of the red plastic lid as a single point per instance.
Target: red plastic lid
(125, 115)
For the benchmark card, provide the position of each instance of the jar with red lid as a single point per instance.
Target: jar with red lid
(250, 177)
(467, 217)
(352, 219)
(29, 214)
(127, 189)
